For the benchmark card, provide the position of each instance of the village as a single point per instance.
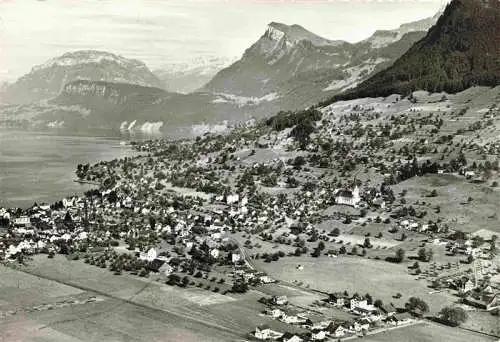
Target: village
(273, 207)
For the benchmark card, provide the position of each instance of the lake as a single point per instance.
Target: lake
(40, 166)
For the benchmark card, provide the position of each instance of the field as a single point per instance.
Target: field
(484, 322)
(106, 319)
(453, 192)
(380, 279)
(128, 309)
(427, 333)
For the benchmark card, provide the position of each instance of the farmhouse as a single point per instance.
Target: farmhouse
(280, 300)
(264, 332)
(357, 302)
(388, 309)
(338, 298)
(337, 330)
(292, 317)
(399, 319)
(275, 313)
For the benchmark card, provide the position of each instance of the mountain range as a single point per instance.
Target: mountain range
(287, 68)
(187, 77)
(301, 68)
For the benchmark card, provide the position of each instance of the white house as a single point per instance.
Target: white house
(379, 202)
(215, 253)
(318, 336)
(468, 286)
(23, 221)
(232, 199)
(149, 256)
(275, 313)
(235, 257)
(280, 300)
(356, 302)
(265, 279)
(361, 325)
(292, 319)
(337, 330)
(469, 174)
(264, 332)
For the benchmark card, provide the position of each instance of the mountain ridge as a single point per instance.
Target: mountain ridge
(460, 51)
(46, 80)
(302, 68)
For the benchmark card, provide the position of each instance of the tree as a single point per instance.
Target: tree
(321, 245)
(425, 255)
(239, 287)
(112, 197)
(173, 279)
(415, 303)
(493, 245)
(367, 243)
(378, 303)
(68, 218)
(369, 298)
(453, 316)
(316, 253)
(429, 254)
(400, 255)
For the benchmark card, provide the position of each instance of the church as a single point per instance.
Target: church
(348, 196)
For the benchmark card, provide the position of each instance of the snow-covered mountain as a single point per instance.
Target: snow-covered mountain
(47, 80)
(186, 77)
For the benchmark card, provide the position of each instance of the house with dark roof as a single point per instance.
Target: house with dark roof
(388, 309)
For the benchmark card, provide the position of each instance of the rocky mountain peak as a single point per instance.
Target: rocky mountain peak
(293, 34)
(48, 79)
(90, 57)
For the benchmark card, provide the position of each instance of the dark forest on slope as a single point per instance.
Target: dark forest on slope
(460, 51)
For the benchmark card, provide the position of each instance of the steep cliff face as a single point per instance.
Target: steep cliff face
(47, 80)
(110, 102)
(297, 68)
(382, 38)
(113, 93)
(281, 53)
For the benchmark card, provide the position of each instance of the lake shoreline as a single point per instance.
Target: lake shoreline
(39, 167)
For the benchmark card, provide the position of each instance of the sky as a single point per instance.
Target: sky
(161, 32)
